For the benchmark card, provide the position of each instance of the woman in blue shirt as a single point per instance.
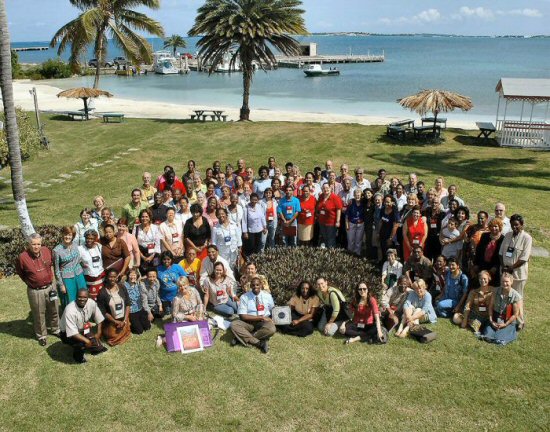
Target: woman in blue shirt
(139, 318)
(417, 309)
(454, 292)
(168, 275)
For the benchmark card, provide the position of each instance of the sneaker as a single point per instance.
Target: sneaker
(57, 334)
(42, 342)
(264, 346)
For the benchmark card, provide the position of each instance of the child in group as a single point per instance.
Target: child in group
(150, 286)
(450, 239)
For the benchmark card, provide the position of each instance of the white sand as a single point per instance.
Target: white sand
(48, 101)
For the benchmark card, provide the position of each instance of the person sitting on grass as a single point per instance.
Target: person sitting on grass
(504, 311)
(114, 304)
(255, 326)
(365, 325)
(417, 309)
(333, 303)
(187, 304)
(150, 287)
(303, 308)
(418, 266)
(219, 291)
(251, 272)
(139, 318)
(476, 308)
(454, 292)
(76, 330)
(393, 301)
(391, 270)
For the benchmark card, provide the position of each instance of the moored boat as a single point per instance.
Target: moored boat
(317, 70)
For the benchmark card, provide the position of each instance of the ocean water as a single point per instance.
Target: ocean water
(468, 65)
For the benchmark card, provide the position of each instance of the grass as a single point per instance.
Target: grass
(455, 383)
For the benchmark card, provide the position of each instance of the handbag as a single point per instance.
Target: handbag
(290, 231)
(423, 334)
(281, 315)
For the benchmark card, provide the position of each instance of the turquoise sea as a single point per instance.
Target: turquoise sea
(469, 65)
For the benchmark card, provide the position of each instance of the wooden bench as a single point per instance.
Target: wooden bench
(399, 129)
(193, 116)
(485, 130)
(426, 132)
(73, 114)
(113, 116)
(440, 120)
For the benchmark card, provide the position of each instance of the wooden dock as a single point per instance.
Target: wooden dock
(301, 61)
(41, 48)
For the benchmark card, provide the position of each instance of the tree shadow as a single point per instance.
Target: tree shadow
(189, 121)
(409, 141)
(469, 140)
(61, 117)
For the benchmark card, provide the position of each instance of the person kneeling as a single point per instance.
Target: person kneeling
(76, 329)
(303, 306)
(365, 325)
(255, 326)
(418, 309)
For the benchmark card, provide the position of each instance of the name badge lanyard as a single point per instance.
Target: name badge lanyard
(149, 242)
(174, 235)
(95, 258)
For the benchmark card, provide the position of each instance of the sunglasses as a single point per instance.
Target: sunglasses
(362, 289)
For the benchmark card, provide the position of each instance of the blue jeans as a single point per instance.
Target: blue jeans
(289, 241)
(502, 336)
(327, 234)
(269, 238)
(226, 309)
(445, 308)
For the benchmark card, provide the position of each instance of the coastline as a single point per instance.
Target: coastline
(49, 102)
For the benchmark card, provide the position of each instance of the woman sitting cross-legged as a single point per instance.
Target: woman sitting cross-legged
(418, 309)
(476, 308)
(114, 304)
(504, 307)
(303, 306)
(187, 305)
(365, 325)
(219, 291)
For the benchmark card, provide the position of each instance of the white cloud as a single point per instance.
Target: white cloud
(426, 16)
(530, 13)
(477, 12)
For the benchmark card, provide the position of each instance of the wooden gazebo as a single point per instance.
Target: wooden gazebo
(523, 113)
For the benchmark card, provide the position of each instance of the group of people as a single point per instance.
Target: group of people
(182, 245)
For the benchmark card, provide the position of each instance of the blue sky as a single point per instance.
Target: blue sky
(37, 20)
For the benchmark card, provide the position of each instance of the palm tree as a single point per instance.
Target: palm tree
(12, 132)
(175, 41)
(101, 19)
(248, 29)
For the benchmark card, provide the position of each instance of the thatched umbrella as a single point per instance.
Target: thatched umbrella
(84, 93)
(436, 101)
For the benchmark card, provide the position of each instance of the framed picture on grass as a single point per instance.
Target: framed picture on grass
(190, 339)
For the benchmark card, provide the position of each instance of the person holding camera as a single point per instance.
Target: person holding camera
(76, 329)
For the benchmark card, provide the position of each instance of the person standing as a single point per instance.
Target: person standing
(34, 267)
(288, 211)
(131, 211)
(515, 251)
(255, 325)
(329, 209)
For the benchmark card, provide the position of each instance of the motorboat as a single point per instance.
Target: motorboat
(164, 63)
(316, 70)
(225, 65)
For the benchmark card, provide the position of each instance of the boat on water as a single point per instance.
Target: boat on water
(315, 70)
(225, 65)
(164, 63)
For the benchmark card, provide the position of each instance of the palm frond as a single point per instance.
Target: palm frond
(140, 21)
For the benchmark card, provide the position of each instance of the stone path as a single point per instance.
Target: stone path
(538, 251)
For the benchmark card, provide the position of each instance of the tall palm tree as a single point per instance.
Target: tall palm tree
(103, 19)
(12, 132)
(248, 29)
(175, 42)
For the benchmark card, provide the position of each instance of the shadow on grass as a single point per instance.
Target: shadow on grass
(480, 170)
(469, 140)
(60, 352)
(64, 118)
(409, 141)
(21, 329)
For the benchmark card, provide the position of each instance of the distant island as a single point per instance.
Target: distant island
(427, 35)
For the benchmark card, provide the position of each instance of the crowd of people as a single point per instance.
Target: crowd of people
(182, 247)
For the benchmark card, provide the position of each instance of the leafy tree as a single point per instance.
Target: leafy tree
(103, 19)
(174, 42)
(249, 29)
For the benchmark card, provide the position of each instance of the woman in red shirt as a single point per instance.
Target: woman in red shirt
(329, 210)
(306, 217)
(415, 232)
(365, 325)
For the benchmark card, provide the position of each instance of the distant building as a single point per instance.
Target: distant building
(308, 49)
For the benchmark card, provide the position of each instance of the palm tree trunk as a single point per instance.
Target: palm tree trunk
(99, 57)
(12, 132)
(247, 80)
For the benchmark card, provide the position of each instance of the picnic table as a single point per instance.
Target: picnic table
(213, 114)
(440, 120)
(426, 131)
(399, 129)
(73, 114)
(485, 130)
(119, 117)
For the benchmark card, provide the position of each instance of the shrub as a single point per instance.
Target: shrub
(28, 136)
(285, 268)
(15, 66)
(12, 243)
(55, 69)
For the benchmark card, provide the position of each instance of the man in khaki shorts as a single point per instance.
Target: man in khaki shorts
(34, 267)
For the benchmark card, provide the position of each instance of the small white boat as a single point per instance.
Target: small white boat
(164, 63)
(315, 70)
(225, 65)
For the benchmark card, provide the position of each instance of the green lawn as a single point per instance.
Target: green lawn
(455, 383)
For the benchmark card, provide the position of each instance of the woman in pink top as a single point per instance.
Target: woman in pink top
(130, 241)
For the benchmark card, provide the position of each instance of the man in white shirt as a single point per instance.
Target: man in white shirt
(255, 325)
(213, 257)
(360, 181)
(500, 212)
(76, 329)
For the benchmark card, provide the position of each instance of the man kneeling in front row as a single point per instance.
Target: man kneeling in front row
(76, 329)
(255, 326)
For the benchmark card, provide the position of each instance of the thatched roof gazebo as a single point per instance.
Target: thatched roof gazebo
(436, 101)
(84, 93)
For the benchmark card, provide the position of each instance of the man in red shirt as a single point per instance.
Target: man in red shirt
(241, 170)
(34, 267)
(172, 182)
(329, 211)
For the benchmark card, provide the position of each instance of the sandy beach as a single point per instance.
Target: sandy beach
(49, 102)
